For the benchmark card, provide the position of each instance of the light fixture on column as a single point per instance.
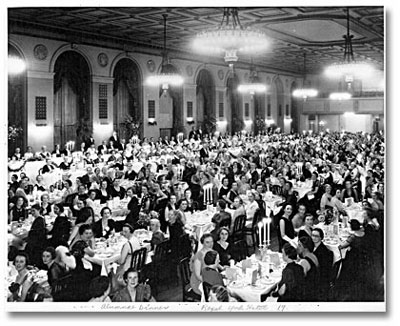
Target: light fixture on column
(305, 92)
(340, 96)
(231, 38)
(168, 75)
(254, 84)
(15, 65)
(348, 67)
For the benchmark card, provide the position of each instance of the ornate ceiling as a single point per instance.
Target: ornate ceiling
(316, 31)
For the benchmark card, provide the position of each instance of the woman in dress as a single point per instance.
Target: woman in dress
(285, 230)
(54, 270)
(133, 291)
(310, 265)
(104, 194)
(307, 228)
(292, 284)
(197, 262)
(19, 288)
(100, 289)
(116, 190)
(223, 247)
(19, 213)
(105, 227)
(61, 228)
(46, 207)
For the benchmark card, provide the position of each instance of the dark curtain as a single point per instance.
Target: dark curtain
(234, 97)
(127, 72)
(73, 67)
(17, 106)
(205, 85)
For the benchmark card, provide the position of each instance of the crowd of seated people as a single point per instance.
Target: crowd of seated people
(221, 170)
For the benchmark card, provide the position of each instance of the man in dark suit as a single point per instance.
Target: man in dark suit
(204, 152)
(48, 167)
(115, 139)
(103, 148)
(193, 133)
(37, 240)
(325, 259)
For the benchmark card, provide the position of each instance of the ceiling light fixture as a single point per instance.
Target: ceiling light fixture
(348, 67)
(231, 38)
(254, 84)
(169, 74)
(305, 92)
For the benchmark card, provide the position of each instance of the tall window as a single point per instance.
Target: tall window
(103, 103)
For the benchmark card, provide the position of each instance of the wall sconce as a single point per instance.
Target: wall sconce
(288, 119)
(269, 121)
(190, 120)
(152, 121)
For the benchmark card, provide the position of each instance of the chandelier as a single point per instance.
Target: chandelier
(348, 67)
(305, 92)
(231, 38)
(168, 74)
(254, 85)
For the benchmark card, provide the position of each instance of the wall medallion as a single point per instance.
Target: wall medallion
(151, 65)
(102, 59)
(189, 71)
(40, 52)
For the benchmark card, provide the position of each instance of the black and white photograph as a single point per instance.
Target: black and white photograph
(196, 159)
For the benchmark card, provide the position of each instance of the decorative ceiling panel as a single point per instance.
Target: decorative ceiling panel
(316, 31)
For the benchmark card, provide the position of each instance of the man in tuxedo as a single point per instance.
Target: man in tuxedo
(325, 259)
(204, 152)
(48, 167)
(65, 165)
(115, 139)
(89, 142)
(193, 133)
(103, 148)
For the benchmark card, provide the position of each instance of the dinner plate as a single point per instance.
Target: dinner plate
(105, 255)
(236, 284)
(267, 281)
(258, 286)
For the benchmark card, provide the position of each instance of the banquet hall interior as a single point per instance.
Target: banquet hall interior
(188, 154)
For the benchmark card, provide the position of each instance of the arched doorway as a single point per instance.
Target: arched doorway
(234, 100)
(127, 96)
(205, 97)
(17, 109)
(73, 120)
(295, 109)
(279, 101)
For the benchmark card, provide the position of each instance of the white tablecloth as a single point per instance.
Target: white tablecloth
(253, 293)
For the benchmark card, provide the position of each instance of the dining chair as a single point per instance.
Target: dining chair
(239, 250)
(139, 258)
(206, 289)
(188, 295)
(238, 228)
(161, 264)
(251, 229)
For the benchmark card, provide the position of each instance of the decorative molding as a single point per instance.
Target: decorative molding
(221, 74)
(102, 79)
(40, 74)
